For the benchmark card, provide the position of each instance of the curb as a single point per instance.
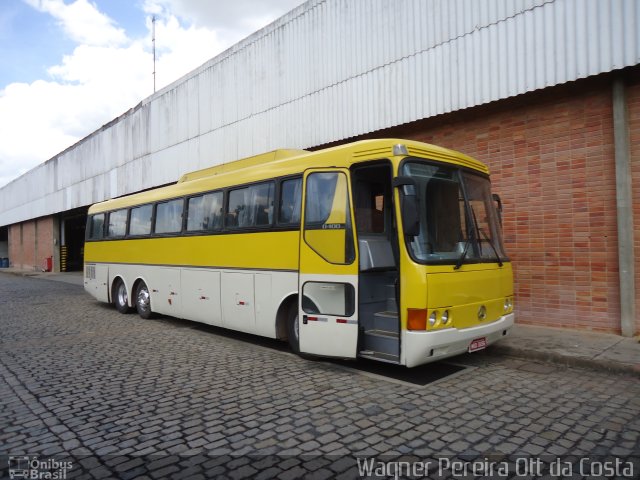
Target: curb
(608, 366)
(21, 273)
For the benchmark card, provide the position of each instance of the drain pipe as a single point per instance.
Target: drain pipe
(624, 204)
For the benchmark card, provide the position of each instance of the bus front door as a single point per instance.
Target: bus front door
(328, 280)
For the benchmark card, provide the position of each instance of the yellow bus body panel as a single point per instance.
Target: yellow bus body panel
(460, 292)
(464, 292)
(332, 244)
(264, 250)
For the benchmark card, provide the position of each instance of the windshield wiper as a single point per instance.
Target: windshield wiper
(470, 236)
(463, 255)
(492, 246)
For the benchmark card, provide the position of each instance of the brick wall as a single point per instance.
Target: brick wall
(14, 244)
(551, 156)
(29, 248)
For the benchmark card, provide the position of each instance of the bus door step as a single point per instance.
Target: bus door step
(386, 321)
(382, 341)
(381, 357)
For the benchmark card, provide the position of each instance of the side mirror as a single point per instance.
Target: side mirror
(409, 206)
(498, 202)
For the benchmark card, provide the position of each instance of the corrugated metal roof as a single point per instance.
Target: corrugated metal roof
(329, 70)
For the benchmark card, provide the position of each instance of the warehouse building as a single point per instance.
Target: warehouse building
(546, 92)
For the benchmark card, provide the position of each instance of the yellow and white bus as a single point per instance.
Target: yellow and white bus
(386, 249)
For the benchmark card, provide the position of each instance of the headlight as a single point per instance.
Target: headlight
(508, 304)
(432, 318)
(445, 317)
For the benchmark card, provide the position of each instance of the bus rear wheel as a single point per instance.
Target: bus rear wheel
(143, 301)
(120, 296)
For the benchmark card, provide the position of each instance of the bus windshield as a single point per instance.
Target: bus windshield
(458, 220)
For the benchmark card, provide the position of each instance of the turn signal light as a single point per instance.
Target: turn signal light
(416, 319)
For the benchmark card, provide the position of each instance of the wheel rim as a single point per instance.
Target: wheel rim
(143, 298)
(296, 329)
(122, 295)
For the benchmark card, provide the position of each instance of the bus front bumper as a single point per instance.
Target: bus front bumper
(425, 347)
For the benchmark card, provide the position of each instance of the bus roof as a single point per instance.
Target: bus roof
(242, 163)
(280, 163)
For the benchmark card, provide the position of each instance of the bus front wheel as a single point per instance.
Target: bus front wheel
(120, 296)
(143, 301)
(293, 329)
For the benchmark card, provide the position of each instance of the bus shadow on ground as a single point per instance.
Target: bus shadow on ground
(417, 376)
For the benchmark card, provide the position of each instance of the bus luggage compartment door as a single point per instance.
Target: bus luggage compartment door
(328, 280)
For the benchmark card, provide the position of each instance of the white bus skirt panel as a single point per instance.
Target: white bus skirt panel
(424, 347)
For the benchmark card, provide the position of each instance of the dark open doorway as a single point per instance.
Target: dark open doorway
(72, 227)
(4, 242)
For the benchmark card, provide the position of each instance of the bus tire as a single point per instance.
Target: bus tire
(293, 329)
(143, 301)
(120, 296)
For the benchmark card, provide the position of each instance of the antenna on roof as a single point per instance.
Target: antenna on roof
(153, 43)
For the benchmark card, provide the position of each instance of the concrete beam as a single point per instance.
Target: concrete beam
(624, 204)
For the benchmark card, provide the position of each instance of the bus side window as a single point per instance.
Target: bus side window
(205, 212)
(251, 206)
(96, 226)
(140, 221)
(195, 214)
(235, 207)
(290, 201)
(169, 216)
(261, 204)
(117, 223)
(213, 209)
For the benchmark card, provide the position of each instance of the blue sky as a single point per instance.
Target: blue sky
(127, 13)
(69, 66)
(31, 41)
(25, 46)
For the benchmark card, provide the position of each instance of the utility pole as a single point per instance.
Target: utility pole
(153, 43)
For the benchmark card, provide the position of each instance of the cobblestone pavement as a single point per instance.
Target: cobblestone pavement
(164, 398)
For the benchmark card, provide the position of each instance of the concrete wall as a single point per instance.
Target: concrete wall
(31, 242)
(551, 156)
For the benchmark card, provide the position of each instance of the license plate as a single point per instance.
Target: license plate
(478, 344)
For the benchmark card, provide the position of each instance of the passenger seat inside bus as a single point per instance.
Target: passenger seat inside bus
(375, 253)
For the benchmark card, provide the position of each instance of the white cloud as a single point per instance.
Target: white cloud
(82, 22)
(28, 132)
(107, 73)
